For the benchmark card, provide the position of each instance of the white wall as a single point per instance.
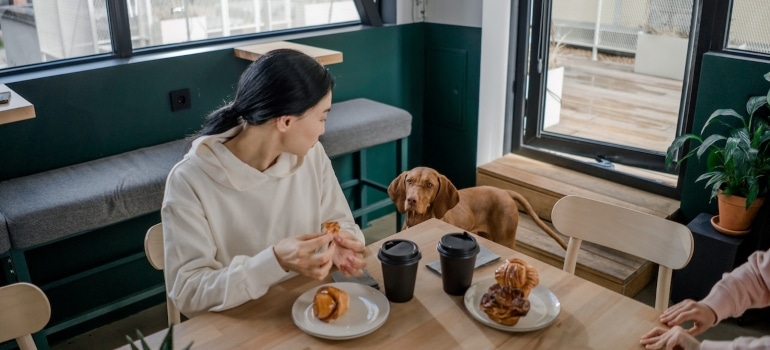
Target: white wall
(456, 12)
(493, 74)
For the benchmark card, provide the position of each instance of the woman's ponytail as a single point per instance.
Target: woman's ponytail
(221, 120)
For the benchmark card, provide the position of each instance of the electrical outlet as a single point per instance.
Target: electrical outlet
(180, 99)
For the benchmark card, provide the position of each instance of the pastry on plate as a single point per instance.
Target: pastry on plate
(329, 303)
(506, 301)
(517, 273)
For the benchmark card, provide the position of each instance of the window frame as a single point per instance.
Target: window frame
(710, 18)
(123, 51)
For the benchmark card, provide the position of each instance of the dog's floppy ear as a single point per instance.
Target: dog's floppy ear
(397, 191)
(446, 197)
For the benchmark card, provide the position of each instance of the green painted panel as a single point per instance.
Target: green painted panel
(452, 101)
(725, 82)
(446, 76)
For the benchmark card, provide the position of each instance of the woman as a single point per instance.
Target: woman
(243, 210)
(748, 286)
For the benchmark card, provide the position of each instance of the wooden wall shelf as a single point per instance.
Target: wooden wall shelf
(324, 56)
(16, 109)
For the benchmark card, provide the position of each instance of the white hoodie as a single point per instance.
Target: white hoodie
(221, 218)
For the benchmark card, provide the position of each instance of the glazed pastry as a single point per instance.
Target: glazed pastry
(332, 227)
(504, 305)
(516, 273)
(329, 303)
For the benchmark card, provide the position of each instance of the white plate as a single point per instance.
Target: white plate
(368, 310)
(544, 307)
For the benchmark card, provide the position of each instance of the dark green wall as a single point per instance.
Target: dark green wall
(725, 82)
(92, 114)
(453, 63)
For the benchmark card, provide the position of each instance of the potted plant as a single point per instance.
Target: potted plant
(737, 162)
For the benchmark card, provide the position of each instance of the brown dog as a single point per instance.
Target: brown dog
(490, 212)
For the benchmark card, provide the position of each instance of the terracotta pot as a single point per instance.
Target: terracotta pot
(733, 214)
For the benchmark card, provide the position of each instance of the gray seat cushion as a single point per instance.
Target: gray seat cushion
(47, 206)
(361, 123)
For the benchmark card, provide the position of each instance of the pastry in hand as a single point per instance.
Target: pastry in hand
(332, 227)
(329, 303)
(516, 273)
(504, 305)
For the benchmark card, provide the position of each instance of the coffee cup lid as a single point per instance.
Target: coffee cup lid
(399, 251)
(458, 244)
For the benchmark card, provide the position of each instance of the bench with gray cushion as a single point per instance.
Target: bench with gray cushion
(54, 205)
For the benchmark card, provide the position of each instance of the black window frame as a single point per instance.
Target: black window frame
(710, 23)
(123, 51)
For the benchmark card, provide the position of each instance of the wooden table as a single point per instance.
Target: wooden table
(591, 317)
(324, 56)
(16, 109)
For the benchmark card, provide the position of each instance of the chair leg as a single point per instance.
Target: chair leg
(402, 156)
(19, 266)
(362, 196)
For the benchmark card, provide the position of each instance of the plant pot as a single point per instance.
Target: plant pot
(733, 215)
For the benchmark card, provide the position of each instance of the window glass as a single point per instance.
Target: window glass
(748, 26)
(49, 30)
(160, 22)
(613, 81)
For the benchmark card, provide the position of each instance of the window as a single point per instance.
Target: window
(588, 39)
(51, 30)
(748, 28)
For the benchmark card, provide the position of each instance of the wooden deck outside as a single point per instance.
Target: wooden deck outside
(607, 101)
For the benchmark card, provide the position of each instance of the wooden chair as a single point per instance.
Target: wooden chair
(153, 247)
(24, 309)
(664, 242)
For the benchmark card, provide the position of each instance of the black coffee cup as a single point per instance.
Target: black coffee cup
(399, 258)
(457, 252)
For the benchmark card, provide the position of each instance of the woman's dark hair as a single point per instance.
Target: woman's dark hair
(280, 82)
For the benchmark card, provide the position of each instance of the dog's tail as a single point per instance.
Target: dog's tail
(531, 211)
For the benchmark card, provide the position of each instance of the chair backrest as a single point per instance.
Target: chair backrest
(24, 309)
(153, 247)
(664, 242)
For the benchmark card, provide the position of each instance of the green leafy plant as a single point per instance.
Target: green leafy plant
(737, 163)
(167, 344)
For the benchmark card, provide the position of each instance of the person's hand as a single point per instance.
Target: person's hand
(349, 254)
(304, 254)
(688, 310)
(674, 338)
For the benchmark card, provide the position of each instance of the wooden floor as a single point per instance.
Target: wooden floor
(607, 101)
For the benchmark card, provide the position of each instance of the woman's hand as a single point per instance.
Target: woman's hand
(349, 254)
(674, 338)
(688, 310)
(304, 254)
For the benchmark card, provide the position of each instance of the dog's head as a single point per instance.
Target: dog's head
(422, 191)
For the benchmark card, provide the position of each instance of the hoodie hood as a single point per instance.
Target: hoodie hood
(212, 156)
